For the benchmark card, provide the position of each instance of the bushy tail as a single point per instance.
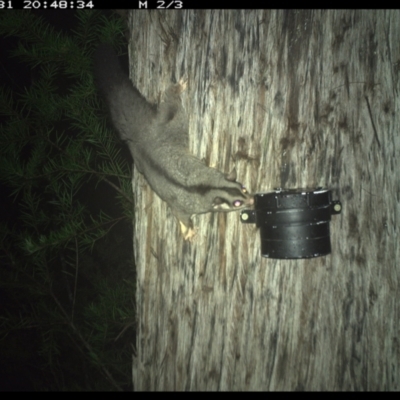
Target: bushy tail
(107, 70)
(130, 112)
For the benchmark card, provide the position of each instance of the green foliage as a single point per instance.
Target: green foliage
(67, 294)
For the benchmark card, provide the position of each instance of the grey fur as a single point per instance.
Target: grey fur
(158, 141)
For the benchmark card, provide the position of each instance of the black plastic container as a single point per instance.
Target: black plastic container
(294, 223)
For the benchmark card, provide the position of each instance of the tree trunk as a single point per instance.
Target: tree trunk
(291, 99)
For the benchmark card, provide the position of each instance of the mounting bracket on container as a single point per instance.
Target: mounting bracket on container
(294, 223)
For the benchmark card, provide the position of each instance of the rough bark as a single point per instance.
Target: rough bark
(291, 99)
